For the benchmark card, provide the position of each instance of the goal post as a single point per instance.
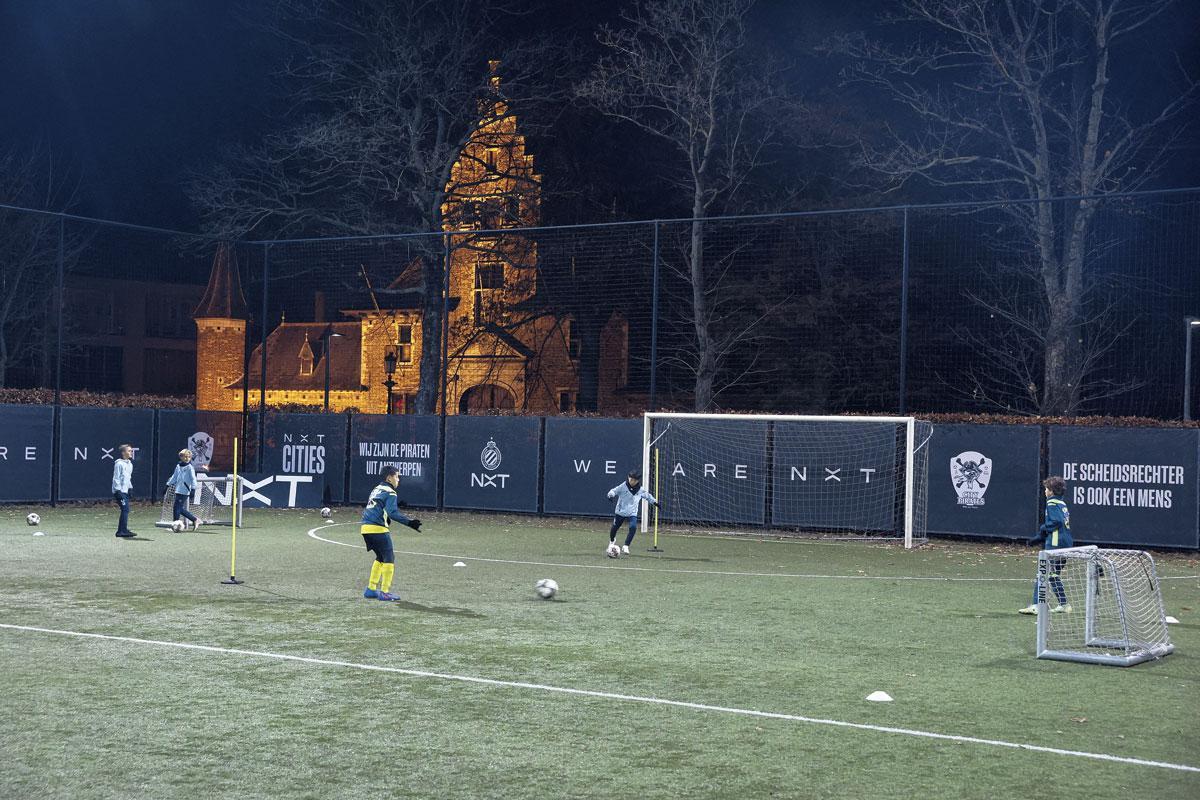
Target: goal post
(1100, 606)
(859, 477)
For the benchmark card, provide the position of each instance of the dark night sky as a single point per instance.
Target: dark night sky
(136, 94)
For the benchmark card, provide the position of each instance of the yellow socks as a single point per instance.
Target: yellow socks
(385, 576)
(376, 573)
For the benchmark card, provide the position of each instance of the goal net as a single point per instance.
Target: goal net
(211, 502)
(839, 477)
(1100, 606)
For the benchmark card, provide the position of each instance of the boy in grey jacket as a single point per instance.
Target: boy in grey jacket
(183, 481)
(628, 495)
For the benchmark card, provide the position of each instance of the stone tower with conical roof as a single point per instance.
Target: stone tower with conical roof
(220, 335)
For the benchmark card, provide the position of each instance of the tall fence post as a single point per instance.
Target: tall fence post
(60, 297)
(1190, 324)
(904, 319)
(445, 318)
(654, 328)
(262, 360)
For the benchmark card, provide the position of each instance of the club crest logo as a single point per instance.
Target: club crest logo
(490, 457)
(201, 445)
(970, 473)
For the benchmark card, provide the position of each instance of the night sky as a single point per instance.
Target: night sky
(136, 95)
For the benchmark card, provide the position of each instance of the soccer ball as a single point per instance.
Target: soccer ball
(177, 525)
(545, 588)
(33, 519)
(613, 551)
(327, 512)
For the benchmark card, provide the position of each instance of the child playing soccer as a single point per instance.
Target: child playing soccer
(122, 484)
(1054, 534)
(627, 494)
(382, 508)
(183, 481)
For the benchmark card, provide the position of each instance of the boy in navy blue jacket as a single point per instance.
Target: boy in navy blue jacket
(383, 507)
(1054, 534)
(183, 481)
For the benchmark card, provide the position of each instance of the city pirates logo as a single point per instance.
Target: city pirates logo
(490, 457)
(970, 472)
(201, 445)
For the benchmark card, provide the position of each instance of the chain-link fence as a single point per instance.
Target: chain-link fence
(1067, 307)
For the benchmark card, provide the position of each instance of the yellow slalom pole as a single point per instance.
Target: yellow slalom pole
(655, 548)
(234, 502)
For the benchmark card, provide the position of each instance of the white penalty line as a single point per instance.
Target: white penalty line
(628, 698)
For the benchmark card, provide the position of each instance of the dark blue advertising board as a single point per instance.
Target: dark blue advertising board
(405, 441)
(267, 491)
(984, 480)
(584, 459)
(208, 435)
(1133, 486)
(26, 453)
(709, 471)
(835, 475)
(492, 463)
(87, 449)
(307, 444)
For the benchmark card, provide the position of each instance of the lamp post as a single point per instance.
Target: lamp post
(1192, 323)
(325, 337)
(389, 363)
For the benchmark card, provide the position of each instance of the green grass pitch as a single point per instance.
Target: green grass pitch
(286, 698)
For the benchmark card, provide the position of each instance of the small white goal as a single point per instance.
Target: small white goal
(212, 501)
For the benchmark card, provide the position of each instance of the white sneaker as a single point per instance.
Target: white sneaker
(625, 549)
(1030, 609)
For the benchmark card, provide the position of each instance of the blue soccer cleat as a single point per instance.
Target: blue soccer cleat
(388, 598)
(370, 594)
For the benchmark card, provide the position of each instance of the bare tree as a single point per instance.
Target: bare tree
(1027, 100)
(385, 94)
(682, 72)
(29, 251)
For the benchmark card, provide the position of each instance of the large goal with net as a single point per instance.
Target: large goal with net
(214, 497)
(826, 476)
(1108, 607)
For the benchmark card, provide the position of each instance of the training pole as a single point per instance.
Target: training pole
(236, 508)
(655, 548)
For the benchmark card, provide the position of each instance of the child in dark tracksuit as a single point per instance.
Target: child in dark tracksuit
(1055, 534)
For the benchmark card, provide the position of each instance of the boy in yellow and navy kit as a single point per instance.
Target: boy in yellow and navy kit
(1055, 534)
(382, 508)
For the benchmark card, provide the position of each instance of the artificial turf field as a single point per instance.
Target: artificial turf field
(301, 688)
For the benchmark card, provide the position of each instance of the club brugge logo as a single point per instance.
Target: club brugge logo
(490, 457)
(201, 445)
(970, 472)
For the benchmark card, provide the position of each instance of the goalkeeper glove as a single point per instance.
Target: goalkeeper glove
(415, 524)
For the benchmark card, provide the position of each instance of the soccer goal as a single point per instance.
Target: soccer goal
(1113, 609)
(826, 476)
(213, 501)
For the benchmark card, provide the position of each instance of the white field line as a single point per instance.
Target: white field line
(628, 698)
(313, 533)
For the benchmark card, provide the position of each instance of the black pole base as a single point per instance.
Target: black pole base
(232, 581)
(655, 550)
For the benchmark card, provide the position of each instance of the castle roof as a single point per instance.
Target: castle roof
(285, 347)
(223, 298)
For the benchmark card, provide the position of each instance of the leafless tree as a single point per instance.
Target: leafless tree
(682, 72)
(1027, 100)
(385, 94)
(29, 251)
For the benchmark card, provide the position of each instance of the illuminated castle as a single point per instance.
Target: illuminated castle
(505, 348)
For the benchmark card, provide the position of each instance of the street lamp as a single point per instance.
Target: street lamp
(389, 363)
(1192, 324)
(325, 337)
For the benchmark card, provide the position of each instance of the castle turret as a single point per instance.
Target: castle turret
(220, 335)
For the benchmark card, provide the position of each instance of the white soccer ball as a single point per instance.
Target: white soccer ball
(33, 519)
(613, 551)
(177, 525)
(545, 588)
(327, 512)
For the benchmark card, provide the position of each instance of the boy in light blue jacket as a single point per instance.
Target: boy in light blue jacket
(183, 481)
(628, 495)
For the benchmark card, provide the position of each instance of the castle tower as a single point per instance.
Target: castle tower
(220, 335)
